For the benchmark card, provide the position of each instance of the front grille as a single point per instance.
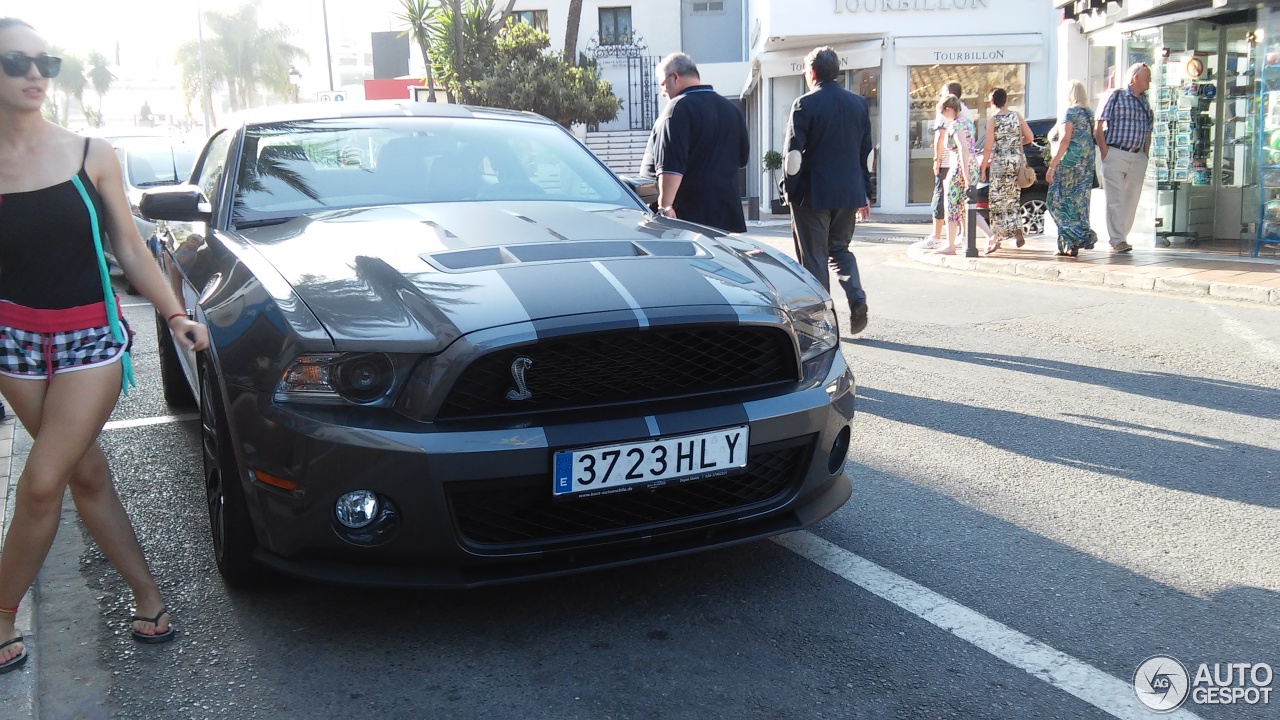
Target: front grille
(612, 368)
(521, 511)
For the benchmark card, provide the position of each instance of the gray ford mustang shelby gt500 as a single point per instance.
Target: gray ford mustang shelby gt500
(450, 348)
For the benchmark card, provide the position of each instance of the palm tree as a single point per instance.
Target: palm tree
(463, 43)
(100, 77)
(71, 82)
(418, 16)
(571, 32)
(242, 56)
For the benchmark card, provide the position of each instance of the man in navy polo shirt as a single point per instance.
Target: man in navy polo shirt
(696, 149)
(1123, 133)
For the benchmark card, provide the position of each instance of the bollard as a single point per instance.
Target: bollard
(753, 209)
(971, 228)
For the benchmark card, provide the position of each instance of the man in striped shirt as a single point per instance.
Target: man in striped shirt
(1123, 133)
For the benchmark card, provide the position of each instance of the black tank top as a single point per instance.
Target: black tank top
(47, 255)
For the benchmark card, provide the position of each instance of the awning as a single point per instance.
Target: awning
(970, 50)
(1179, 10)
(853, 56)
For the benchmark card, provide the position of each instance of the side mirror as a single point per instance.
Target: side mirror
(646, 188)
(178, 203)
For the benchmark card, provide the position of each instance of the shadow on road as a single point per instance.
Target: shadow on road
(1211, 393)
(1177, 461)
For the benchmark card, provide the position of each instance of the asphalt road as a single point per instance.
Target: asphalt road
(1096, 470)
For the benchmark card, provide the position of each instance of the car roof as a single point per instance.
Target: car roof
(373, 109)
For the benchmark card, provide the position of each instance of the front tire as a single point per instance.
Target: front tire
(177, 393)
(230, 526)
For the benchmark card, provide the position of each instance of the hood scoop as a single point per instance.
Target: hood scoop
(577, 250)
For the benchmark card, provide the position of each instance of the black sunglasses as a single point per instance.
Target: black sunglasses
(16, 64)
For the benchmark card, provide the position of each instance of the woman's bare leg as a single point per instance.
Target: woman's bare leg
(64, 418)
(106, 520)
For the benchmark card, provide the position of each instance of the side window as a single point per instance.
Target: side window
(213, 164)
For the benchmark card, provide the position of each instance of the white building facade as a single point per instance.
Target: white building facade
(898, 54)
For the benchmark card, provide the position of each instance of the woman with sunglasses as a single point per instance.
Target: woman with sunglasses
(64, 347)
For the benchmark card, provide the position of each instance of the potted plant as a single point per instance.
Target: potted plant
(772, 162)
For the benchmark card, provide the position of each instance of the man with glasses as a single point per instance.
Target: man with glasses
(698, 145)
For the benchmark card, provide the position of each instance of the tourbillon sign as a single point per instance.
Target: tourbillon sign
(853, 6)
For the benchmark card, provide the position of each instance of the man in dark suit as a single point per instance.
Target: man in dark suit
(827, 176)
(695, 151)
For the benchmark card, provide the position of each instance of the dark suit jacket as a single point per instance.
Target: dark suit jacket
(831, 128)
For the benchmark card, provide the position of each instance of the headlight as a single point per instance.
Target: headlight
(362, 378)
(816, 329)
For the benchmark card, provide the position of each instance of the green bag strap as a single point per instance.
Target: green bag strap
(113, 313)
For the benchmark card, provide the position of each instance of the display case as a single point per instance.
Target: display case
(1265, 118)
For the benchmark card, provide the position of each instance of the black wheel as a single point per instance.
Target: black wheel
(229, 523)
(176, 390)
(1033, 210)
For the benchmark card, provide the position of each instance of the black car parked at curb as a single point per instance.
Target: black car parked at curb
(448, 347)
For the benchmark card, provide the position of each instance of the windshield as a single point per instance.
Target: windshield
(290, 169)
(161, 164)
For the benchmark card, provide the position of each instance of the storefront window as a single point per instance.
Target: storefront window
(865, 82)
(977, 81)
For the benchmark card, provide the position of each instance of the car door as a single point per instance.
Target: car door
(186, 256)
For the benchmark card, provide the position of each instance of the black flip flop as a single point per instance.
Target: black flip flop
(156, 639)
(16, 661)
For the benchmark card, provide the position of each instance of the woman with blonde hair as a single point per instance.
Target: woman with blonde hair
(1071, 174)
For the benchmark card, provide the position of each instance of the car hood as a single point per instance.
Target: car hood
(419, 276)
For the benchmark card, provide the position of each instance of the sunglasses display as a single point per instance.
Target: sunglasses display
(17, 63)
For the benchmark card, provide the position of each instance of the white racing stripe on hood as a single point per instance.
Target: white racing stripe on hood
(626, 295)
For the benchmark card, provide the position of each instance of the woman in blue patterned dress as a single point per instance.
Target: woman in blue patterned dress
(964, 171)
(1071, 174)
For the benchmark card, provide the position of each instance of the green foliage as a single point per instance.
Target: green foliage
(476, 22)
(240, 56)
(528, 76)
(772, 160)
(100, 77)
(418, 17)
(71, 82)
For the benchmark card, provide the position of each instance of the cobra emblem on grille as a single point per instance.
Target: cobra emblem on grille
(521, 390)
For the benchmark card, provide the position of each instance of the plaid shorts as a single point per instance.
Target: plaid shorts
(27, 354)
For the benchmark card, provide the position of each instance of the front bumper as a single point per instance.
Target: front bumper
(474, 507)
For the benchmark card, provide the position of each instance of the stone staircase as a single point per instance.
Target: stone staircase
(620, 150)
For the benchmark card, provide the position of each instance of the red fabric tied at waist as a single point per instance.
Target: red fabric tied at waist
(41, 320)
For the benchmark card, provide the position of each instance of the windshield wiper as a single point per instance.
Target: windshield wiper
(156, 183)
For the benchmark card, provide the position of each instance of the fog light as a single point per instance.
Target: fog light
(356, 509)
(839, 451)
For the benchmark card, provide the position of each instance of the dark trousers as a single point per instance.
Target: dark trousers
(940, 192)
(822, 237)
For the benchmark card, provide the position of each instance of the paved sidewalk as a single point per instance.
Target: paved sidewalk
(18, 688)
(1179, 270)
(1176, 271)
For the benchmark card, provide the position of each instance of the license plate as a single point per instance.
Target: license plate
(615, 468)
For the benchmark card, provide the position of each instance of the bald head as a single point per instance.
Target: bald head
(1139, 77)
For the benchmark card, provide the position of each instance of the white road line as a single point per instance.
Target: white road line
(143, 422)
(1105, 692)
(142, 304)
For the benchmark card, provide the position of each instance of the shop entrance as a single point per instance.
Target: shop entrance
(1204, 144)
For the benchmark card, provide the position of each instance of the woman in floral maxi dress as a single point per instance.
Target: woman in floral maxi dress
(1071, 175)
(1002, 157)
(964, 171)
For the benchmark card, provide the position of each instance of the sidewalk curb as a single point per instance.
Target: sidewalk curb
(1107, 277)
(18, 688)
